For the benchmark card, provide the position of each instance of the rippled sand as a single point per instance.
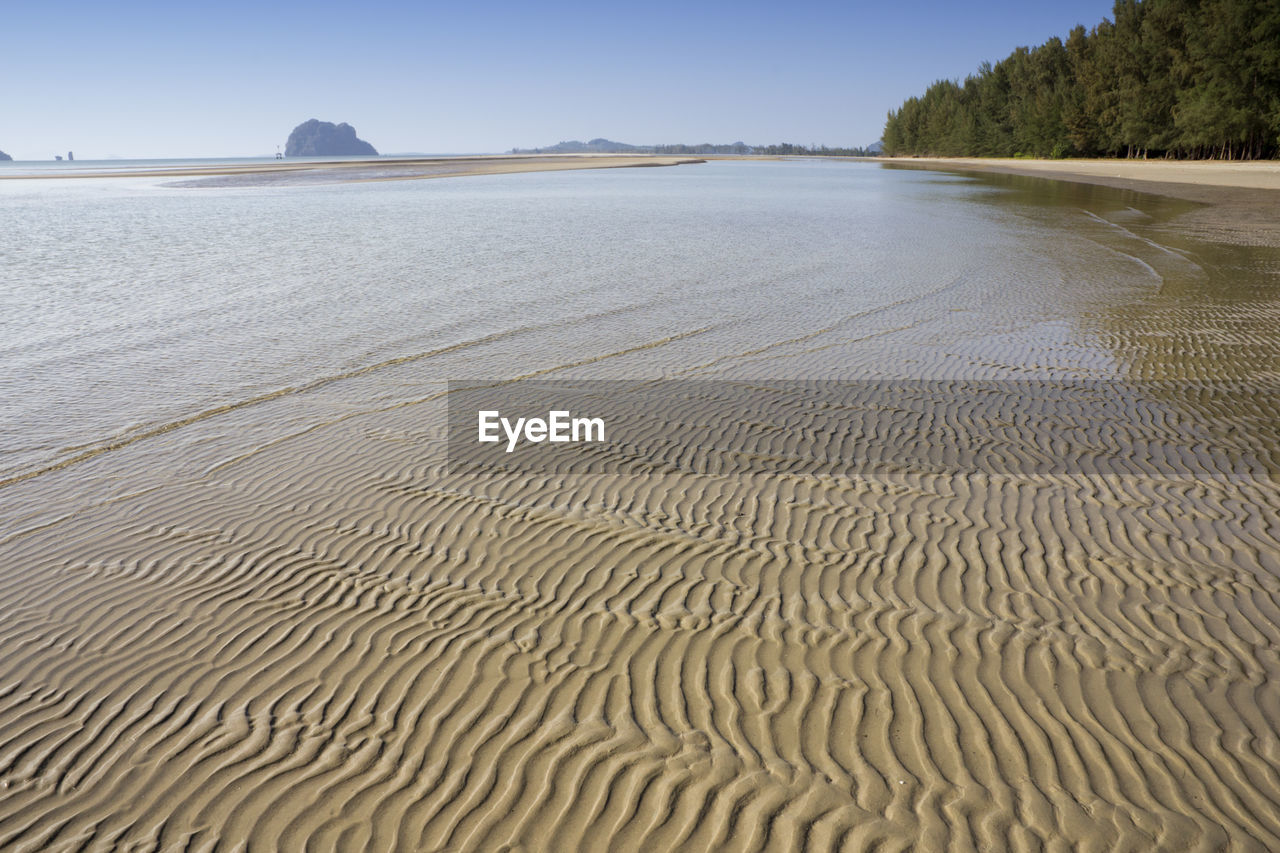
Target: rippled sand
(324, 640)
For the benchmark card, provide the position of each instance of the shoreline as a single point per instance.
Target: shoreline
(1123, 174)
(1237, 200)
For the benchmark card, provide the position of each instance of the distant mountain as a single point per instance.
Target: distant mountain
(4, 156)
(875, 148)
(315, 138)
(608, 146)
(595, 146)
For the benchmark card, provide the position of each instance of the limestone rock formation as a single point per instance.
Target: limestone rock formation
(315, 138)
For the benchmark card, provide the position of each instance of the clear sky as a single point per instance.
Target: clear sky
(145, 79)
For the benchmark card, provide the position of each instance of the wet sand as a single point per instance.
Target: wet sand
(382, 169)
(1240, 199)
(324, 639)
(1255, 174)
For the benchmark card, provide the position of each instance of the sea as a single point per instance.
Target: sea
(130, 306)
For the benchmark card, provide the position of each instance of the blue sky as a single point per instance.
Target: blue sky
(146, 79)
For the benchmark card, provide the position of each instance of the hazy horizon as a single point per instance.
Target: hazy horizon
(149, 80)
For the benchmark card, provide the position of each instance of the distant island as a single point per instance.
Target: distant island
(608, 146)
(314, 138)
(4, 156)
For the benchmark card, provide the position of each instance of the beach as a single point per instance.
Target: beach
(938, 510)
(1239, 196)
(1246, 174)
(319, 170)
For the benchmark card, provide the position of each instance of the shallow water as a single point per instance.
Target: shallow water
(246, 601)
(127, 305)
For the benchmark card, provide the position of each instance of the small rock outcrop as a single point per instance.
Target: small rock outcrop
(4, 156)
(315, 138)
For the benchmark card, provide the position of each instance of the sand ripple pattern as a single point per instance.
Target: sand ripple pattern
(333, 655)
(283, 623)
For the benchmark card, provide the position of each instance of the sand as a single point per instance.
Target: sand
(1240, 198)
(331, 642)
(1257, 174)
(384, 169)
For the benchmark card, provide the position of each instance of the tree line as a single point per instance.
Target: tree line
(607, 146)
(785, 148)
(777, 149)
(1166, 78)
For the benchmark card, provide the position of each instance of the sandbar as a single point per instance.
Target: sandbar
(372, 169)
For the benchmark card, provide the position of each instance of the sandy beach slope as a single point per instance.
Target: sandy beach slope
(1253, 174)
(1240, 198)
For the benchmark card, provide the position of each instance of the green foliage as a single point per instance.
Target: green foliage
(1171, 78)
